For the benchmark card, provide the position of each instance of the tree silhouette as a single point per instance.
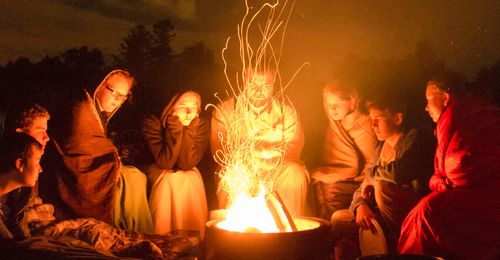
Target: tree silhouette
(135, 52)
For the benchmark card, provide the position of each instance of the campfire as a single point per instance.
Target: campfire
(265, 213)
(256, 223)
(261, 228)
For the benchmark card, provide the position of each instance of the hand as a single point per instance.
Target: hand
(367, 192)
(364, 217)
(268, 159)
(269, 135)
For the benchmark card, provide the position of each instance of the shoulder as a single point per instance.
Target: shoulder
(417, 138)
(361, 126)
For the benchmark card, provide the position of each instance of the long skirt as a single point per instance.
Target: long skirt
(131, 206)
(178, 202)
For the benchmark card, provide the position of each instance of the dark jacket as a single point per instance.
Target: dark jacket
(412, 166)
(172, 145)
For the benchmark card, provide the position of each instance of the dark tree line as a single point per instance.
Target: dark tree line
(146, 53)
(161, 73)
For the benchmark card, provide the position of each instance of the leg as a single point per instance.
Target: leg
(132, 210)
(292, 186)
(331, 196)
(345, 235)
(160, 203)
(394, 203)
(189, 202)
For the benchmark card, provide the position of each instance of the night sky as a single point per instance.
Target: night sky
(464, 33)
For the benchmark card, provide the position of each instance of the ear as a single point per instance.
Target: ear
(398, 119)
(19, 164)
(446, 98)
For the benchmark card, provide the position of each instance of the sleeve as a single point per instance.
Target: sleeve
(165, 150)
(357, 199)
(414, 161)
(437, 182)
(194, 143)
(217, 128)
(294, 133)
(366, 143)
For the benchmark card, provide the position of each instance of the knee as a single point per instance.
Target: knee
(134, 175)
(342, 216)
(295, 171)
(342, 223)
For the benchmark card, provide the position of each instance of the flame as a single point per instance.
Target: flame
(249, 214)
(252, 151)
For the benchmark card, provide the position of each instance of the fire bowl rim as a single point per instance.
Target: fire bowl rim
(211, 224)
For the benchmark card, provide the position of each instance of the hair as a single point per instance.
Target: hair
(347, 88)
(449, 82)
(198, 97)
(15, 146)
(24, 117)
(124, 74)
(390, 102)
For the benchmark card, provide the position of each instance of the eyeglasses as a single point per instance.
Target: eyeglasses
(117, 95)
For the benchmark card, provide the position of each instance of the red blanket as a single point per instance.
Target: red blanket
(460, 219)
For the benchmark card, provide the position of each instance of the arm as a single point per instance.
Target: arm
(413, 160)
(437, 182)
(194, 143)
(164, 147)
(294, 134)
(218, 127)
(367, 144)
(360, 207)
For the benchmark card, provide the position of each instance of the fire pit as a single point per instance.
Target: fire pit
(310, 241)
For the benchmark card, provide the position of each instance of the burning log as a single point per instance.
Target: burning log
(278, 210)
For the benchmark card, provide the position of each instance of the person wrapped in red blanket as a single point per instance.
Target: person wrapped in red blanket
(460, 218)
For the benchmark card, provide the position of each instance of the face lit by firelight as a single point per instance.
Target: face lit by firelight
(386, 125)
(30, 167)
(38, 130)
(186, 108)
(337, 105)
(113, 93)
(436, 101)
(259, 88)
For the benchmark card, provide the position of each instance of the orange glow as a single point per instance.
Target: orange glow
(249, 214)
(252, 151)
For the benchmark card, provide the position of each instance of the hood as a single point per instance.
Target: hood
(102, 85)
(168, 109)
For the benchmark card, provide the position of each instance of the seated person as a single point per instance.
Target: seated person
(459, 219)
(177, 141)
(40, 235)
(348, 147)
(84, 175)
(396, 178)
(31, 119)
(265, 132)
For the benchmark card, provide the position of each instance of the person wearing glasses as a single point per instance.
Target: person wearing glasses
(85, 177)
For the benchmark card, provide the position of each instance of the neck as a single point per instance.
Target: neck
(392, 140)
(8, 183)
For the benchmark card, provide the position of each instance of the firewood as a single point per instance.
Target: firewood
(278, 210)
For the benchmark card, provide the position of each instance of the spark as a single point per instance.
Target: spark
(251, 153)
